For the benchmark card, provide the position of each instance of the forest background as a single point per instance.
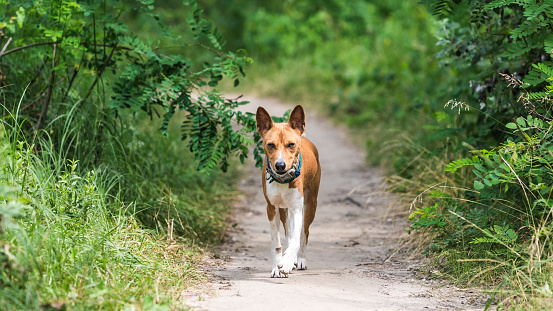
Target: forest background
(452, 97)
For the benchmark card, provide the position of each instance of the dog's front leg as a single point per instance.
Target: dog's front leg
(294, 224)
(276, 247)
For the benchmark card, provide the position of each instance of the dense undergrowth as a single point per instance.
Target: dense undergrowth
(121, 234)
(110, 183)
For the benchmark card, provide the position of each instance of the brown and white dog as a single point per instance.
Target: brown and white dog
(290, 178)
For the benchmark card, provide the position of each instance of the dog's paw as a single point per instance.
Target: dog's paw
(287, 264)
(278, 274)
(301, 264)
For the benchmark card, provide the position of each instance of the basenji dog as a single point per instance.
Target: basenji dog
(290, 177)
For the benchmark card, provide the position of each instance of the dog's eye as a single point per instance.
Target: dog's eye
(291, 145)
(271, 146)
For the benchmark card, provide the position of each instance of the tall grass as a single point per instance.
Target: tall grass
(98, 214)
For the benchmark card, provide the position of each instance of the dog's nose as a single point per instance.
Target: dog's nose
(280, 166)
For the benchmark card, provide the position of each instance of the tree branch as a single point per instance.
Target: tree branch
(2, 53)
(46, 103)
(39, 70)
(99, 74)
(25, 47)
(70, 84)
(6, 46)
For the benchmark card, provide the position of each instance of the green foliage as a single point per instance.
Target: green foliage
(441, 8)
(496, 234)
(521, 170)
(80, 52)
(96, 211)
(496, 203)
(498, 38)
(368, 64)
(457, 164)
(513, 181)
(506, 217)
(12, 204)
(161, 178)
(427, 217)
(74, 236)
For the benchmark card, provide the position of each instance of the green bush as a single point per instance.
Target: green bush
(66, 55)
(496, 204)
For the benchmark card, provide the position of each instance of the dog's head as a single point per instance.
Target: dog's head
(281, 141)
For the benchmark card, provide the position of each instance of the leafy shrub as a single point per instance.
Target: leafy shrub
(60, 53)
(484, 40)
(497, 203)
(514, 181)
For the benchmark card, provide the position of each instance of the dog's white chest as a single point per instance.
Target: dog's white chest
(282, 196)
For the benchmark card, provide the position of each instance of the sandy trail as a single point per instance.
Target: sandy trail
(350, 239)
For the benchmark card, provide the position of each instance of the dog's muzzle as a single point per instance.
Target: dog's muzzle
(287, 177)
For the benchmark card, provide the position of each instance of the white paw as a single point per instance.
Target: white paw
(302, 264)
(287, 264)
(278, 274)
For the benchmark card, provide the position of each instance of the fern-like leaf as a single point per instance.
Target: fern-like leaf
(457, 164)
(529, 27)
(535, 9)
(548, 44)
(539, 73)
(523, 46)
(441, 8)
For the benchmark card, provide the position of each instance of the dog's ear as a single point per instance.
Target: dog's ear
(297, 119)
(264, 121)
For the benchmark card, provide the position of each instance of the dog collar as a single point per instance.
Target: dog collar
(285, 178)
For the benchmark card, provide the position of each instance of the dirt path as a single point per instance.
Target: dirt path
(349, 244)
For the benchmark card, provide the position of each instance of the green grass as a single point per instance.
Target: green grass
(123, 226)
